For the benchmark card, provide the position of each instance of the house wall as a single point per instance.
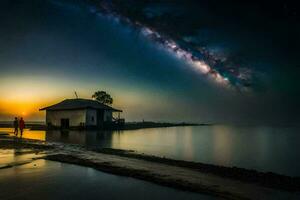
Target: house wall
(107, 116)
(75, 117)
(91, 117)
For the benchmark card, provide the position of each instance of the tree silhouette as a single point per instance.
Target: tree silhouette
(103, 97)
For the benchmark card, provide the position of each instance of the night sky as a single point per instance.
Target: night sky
(192, 61)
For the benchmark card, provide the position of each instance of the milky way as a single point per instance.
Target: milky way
(201, 60)
(197, 64)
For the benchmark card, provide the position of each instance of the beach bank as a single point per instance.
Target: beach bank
(126, 126)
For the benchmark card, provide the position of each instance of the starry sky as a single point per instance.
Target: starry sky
(192, 61)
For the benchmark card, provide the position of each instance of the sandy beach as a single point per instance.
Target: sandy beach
(228, 183)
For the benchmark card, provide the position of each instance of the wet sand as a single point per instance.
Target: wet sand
(165, 172)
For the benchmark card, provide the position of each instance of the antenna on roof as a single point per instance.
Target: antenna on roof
(76, 94)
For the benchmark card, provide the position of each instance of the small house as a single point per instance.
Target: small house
(75, 113)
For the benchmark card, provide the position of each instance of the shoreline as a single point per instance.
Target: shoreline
(225, 182)
(127, 126)
(267, 179)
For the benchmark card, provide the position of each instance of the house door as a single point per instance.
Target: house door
(64, 123)
(100, 118)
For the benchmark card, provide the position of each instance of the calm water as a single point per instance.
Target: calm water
(274, 149)
(53, 180)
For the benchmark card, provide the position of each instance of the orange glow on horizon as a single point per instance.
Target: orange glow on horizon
(23, 96)
(26, 108)
(20, 109)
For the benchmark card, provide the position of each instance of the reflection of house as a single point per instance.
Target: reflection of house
(79, 113)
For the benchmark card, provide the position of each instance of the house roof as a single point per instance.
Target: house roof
(74, 104)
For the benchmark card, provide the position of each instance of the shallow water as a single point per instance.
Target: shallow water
(14, 157)
(43, 179)
(254, 147)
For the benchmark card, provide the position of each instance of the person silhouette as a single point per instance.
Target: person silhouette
(21, 125)
(16, 126)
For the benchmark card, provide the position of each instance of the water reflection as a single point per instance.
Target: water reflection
(36, 134)
(87, 138)
(16, 156)
(53, 180)
(263, 148)
(222, 144)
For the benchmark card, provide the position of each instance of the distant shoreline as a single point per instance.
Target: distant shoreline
(127, 126)
(141, 125)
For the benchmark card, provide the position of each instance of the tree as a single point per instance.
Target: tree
(103, 97)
